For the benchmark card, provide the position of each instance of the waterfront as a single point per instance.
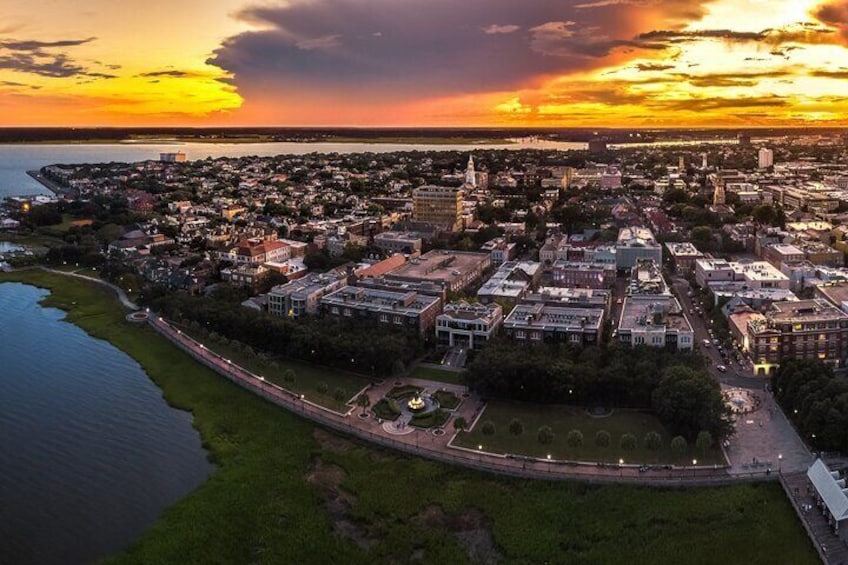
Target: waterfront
(16, 160)
(90, 453)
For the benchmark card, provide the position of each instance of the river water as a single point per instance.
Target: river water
(90, 453)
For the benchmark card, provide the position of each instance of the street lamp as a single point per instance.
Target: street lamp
(549, 462)
(620, 467)
(779, 462)
(480, 452)
(694, 463)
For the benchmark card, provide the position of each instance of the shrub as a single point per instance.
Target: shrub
(704, 441)
(432, 419)
(628, 442)
(603, 438)
(288, 376)
(545, 435)
(488, 428)
(678, 445)
(403, 390)
(322, 387)
(460, 424)
(516, 427)
(447, 400)
(386, 409)
(653, 441)
(340, 395)
(574, 438)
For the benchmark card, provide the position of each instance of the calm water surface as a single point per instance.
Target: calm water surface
(90, 453)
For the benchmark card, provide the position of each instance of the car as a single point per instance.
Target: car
(619, 301)
(707, 343)
(716, 342)
(721, 368)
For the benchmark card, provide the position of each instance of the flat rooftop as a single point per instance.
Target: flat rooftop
(441, 265)
(835, 293)
(805, 311)
(554, 317)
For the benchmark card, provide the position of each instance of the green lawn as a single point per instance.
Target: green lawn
(562, 419)
(307, 377)
(286, 491)
(439, 375)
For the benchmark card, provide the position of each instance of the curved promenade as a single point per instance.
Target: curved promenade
(425, 444)
(421, 442)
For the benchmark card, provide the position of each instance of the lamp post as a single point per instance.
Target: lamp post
(480, 452)
(549, 462)
(620, 467)
(694, 463)
(779, 462)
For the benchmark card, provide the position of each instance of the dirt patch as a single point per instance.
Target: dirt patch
(327, 480)
(470, 528)
(332, 442)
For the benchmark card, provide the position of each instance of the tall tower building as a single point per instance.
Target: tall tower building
(437, 206)
(704, 161)
(470, 175)
(765, 158)
(719, 196)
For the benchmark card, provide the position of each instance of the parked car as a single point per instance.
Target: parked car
(707, 343)
(721, 368)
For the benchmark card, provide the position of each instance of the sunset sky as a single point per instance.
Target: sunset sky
(424, 62)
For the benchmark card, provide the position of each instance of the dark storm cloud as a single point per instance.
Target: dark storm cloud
(426, 47)
(172, 73)
(42, 58)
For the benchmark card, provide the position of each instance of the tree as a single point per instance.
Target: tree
(764, 214)
(545, 435)
(628, 442)
(363, 401)
(678, 445)
(339, 394)
(704, 441)
(459, 424)
(322, 387)
(288, 376)
(574, 439)
(488, 428)
(516, 427)
(702, 237)
(653, 441)
(603, 438)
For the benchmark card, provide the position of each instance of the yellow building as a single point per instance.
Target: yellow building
(438, 206)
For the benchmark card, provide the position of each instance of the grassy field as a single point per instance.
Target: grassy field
(562, 419)
(307, 377)
(288, 492)
(439, 375)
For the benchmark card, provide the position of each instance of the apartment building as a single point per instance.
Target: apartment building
(437, 206)
(402, 310)
(301, 297)
(540, 323)
(471, 326)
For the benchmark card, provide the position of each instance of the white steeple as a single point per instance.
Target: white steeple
(470, 175)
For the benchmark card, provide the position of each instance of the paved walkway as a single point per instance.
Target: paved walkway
(122, 296)
(765, 439)
(427, 444)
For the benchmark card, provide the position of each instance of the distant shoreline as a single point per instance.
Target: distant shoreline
(251, 140)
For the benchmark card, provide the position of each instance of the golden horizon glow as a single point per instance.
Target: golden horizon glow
(731, 63)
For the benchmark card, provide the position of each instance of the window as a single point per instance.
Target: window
(398, 320)
(334, 310)
(384, 317)
(347, 312)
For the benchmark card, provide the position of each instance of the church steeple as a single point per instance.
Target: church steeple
(470, 174)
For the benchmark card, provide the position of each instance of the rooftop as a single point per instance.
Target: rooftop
(554, 317)
(805, 311)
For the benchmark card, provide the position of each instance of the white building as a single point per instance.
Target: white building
(300, 297)
(654, 321)
(755, 274)
(636, 243)
(468, 325)
(765, 158)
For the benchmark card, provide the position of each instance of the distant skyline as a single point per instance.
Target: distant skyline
(500, 63)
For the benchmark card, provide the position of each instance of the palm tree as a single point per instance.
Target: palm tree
(363, 402)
